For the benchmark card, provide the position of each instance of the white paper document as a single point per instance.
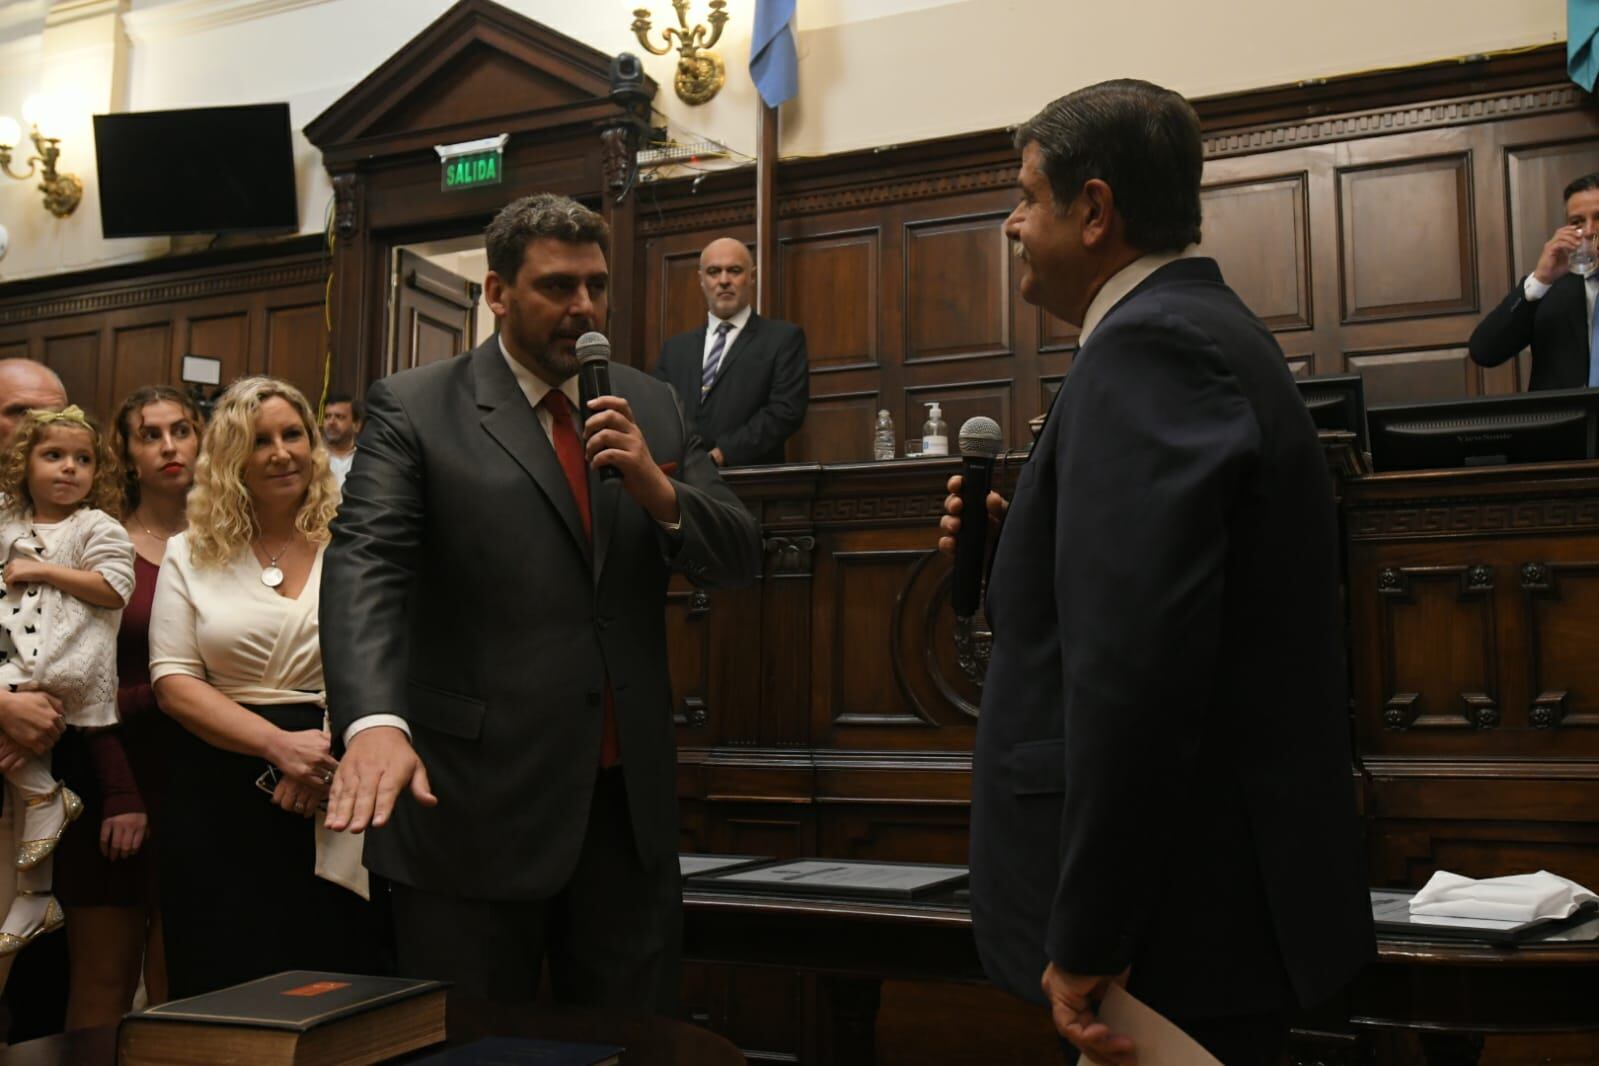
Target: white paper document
(1156, 1041)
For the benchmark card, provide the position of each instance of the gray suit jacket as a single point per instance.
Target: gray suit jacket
(460, 593)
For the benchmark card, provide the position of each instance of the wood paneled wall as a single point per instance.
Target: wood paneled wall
(107, 335)
(1371, 240)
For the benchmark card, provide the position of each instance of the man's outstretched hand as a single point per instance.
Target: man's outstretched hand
(378, 764)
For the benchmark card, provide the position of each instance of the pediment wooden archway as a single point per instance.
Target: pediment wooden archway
(479, 70)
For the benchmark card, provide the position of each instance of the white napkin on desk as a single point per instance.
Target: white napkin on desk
(1521, 898)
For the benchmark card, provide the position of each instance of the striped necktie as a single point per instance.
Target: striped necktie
(713, 361)
(1593, 346)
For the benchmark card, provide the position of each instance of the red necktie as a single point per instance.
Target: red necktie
(569, 452)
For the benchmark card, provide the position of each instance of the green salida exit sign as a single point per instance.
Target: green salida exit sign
(472, 164)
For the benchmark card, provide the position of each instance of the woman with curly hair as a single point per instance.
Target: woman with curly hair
(68, 573)
(105, 869)
(247, 886)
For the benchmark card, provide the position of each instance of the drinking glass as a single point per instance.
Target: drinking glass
(1583, 259)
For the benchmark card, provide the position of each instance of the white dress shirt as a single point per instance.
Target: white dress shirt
(340, 465)
(1535, 290)
(738, 322)
(1123, 282)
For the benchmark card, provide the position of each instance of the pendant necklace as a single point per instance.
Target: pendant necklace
(271, 576)
(152, 534)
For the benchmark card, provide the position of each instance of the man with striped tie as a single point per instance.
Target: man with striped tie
(744, 380)
(1551, 309)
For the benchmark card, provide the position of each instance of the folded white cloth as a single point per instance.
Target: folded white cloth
(1521, 898)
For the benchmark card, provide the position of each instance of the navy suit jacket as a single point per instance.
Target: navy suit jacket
(1556, 327)
(756, 402)
(1162, 778)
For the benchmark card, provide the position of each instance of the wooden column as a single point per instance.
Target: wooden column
(620, 143)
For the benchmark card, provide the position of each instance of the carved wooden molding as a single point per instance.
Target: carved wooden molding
(742, 213)
(1396, 768)
(694, 711)
(789, 556)
(919, 716)
(1551, 708)
(346, 206)
(1403, 710)
(1402, 119)
(877, 509)
(1263, 138)
(1435, 518)
(314, 270)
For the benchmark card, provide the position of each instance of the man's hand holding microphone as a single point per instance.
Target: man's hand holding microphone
(981, 442)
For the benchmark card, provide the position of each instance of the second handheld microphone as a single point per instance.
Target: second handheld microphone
(981, 442)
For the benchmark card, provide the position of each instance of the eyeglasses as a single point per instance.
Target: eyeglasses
(268, 783)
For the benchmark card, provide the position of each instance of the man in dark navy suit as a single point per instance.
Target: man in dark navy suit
(1162, 789)
(744, 380)
(1551, 309)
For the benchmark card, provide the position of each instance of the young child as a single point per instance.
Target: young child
(68, 574)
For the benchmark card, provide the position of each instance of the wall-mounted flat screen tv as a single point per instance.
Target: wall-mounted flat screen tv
(200, 170)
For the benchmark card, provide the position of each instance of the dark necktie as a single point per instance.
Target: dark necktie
(713, 360)
(569, 452)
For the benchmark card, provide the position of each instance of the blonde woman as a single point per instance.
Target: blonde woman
(234, 658)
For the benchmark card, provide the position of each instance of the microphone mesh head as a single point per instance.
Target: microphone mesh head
(981, 436)
(592, 346)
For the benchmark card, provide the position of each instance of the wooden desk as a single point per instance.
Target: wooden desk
(649, 1040)
(1455, 992)
(824, 711)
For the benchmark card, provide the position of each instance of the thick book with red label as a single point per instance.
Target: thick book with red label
(299, 1018)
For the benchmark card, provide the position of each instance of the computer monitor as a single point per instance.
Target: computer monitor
(1528, 427)
(1337, 402)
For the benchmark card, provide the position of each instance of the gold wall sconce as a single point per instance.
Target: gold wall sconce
(62, 192)
(700, 74)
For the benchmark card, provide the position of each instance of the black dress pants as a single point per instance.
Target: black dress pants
(612, 936)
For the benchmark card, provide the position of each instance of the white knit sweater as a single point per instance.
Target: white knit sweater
(77, 663)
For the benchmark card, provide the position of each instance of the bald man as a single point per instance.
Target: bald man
(30, 722)
(744, 380)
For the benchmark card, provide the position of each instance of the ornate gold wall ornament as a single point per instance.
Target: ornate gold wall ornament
(62, 192)
(700, 73)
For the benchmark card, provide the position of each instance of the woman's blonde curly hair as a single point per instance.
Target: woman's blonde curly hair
(222, 519)
(105, 490)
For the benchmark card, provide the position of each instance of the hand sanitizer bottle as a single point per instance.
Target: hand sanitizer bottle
(935, 433)
(883, 440)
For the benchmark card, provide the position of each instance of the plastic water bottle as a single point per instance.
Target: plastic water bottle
(883, 439)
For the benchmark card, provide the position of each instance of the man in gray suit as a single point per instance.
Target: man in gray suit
(494, 641)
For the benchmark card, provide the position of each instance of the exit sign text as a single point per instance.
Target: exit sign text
(472, 171)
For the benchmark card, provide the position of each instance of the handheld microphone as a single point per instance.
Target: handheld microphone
(981, 442)
(594, 379)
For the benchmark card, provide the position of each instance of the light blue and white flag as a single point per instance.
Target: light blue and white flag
(1582, 50)
(774, 64)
